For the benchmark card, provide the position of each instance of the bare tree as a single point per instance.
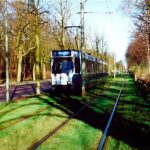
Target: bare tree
(101, 48)
(21, 31)
(136, 54)
(62, 15)
(141, 16)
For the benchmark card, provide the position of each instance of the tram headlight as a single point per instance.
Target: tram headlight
(69, 79)
(68, 82)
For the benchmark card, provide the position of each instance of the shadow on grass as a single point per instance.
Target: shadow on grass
(131, 132)
(88, 115)
(136, 103)
(16, 119)
(136, 130)
(135, 134)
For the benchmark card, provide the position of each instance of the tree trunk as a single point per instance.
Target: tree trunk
(63, 39)
(19, 71)
(37, 53)
(43, 71)
(33, 75)
(37, 64)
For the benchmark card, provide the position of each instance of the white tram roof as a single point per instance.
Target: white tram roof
(65, 53)
(75, 53)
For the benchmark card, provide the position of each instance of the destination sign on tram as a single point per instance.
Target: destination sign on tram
(61, 53)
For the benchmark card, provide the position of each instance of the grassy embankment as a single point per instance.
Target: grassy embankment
(131, 125)
(24, 123)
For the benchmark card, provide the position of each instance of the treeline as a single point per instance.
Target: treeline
(32, 35)
(36, 28)
(138, 52)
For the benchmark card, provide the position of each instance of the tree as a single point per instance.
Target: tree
(21, 31)
(141, 15)
(45, 48)
(119, 67)
(101, 49)
(62, 15)
(136, 54)
(2, 58)
(33, 7)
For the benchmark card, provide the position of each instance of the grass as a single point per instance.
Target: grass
(131, 127)
(75, 135)
(84, 131)
(113, 144)
(26, 132)
(24, 123)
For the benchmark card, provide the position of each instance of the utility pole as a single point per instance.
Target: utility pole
(148, 35)
(82, 63)
(102, 50)
(82, 12)
(148, 54)
(83, 89)
(97, 51)
(114, 65)
(6, 52)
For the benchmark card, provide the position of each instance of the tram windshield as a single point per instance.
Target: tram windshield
(62, 65)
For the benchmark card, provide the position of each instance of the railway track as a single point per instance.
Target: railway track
(77, 122)
(75, 115)
(23, 118)
(51, 133)
(62, 124)
(100, 146)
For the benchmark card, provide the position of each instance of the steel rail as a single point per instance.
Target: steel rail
(23, 118)
(101, 143)
(36, 145)
(51, 133)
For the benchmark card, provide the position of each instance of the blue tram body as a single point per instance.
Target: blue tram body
(66, 68)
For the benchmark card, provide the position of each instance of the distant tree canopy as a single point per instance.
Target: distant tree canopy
(138, 50)
(136, 53)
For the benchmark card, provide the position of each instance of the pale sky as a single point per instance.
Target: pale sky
(115, 27)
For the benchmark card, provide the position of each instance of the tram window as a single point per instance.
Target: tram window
(67, 66)
(62, 65)
(77, 65)
(58, 69)
(88, 66)
(87, 63)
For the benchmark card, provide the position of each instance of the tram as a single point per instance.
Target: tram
(66, 68)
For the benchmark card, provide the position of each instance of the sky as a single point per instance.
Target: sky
(115, 27)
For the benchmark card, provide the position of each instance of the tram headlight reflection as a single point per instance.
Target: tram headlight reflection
(68, 82)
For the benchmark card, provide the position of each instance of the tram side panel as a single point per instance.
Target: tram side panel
(66, 71)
